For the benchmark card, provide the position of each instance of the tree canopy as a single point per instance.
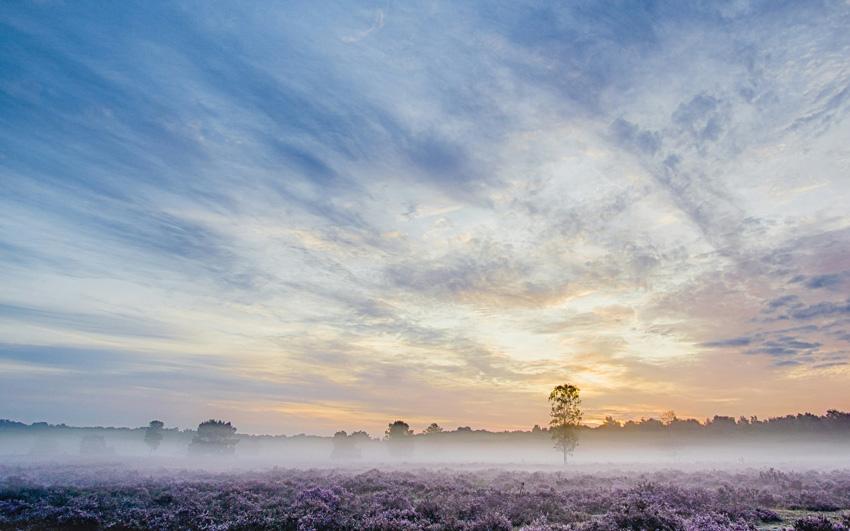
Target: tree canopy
(565, 417)
(399, 438)
(153, 434)
(214, 437)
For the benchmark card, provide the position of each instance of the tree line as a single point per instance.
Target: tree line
(565, 428)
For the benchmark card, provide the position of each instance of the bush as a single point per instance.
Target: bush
(767, 516)
(817, 523)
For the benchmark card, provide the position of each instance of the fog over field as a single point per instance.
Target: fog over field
(801, 442)
(305, 492)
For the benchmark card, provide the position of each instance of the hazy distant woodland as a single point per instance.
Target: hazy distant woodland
(791, 472)
(668, 474)
(802, 439)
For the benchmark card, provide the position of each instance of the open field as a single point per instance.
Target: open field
(126, 497)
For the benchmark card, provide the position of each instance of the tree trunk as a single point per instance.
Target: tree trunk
(565, 456)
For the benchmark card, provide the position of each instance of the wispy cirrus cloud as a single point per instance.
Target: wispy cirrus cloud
(385, 208)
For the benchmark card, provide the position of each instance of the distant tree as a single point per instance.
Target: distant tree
(650, 425)
(536, 429)
(668, 417)
(463, 428)
(670, 441)
(153, 434)
(360, 436)
(610, 423)
(835, 419)
(345, 446)
(399, 438)
(433, 428)
(6, 424)
(214, 437)
(565, 418)
(397, 430)
(721, 423)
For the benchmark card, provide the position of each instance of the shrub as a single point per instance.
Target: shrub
(817, 523)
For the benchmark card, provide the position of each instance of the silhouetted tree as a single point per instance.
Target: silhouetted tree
(685, 425)
(668, 417)
(669, 420)
(433, 428)
(721, 424)
(345, 446)
(398, 429)
(153, 434)
(214, 437)
(565, 418)
(399, 438)
(360, 436)
(650, 425)
(610, 424)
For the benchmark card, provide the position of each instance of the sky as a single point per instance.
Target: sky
(304, 217)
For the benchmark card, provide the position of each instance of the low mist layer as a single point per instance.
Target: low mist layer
(794, 441)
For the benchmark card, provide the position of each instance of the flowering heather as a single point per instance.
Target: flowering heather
(92, 497)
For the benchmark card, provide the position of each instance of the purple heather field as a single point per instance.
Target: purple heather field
(124, 496)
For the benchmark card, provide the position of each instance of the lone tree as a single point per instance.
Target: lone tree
(565, 418)
(399, 438)
(214, 437)
(153, 434)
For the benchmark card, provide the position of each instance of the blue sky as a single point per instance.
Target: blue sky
(305, 217)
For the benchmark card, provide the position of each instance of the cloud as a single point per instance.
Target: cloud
(700, 117)
(732, 342)
(103, 324)
(785, 346)
(483, 273)
(783, 301)
(825, 281)
(376, 25)
(821, 309)
(390, 208)
(628, 134)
